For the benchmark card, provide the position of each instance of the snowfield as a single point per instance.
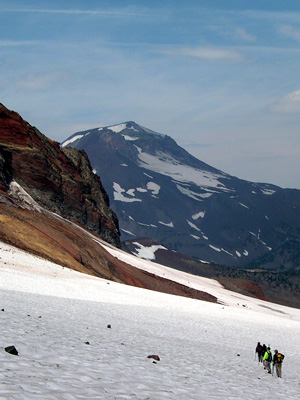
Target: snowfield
(81, 337)
(165, 164)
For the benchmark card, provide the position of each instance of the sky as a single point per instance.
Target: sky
(220, 77)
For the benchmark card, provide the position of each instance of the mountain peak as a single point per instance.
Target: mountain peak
(160, 191)
(131, 128)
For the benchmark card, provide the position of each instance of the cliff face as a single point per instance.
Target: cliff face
(60, 180)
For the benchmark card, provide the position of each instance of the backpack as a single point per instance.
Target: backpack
(280, 357)
(269, 356)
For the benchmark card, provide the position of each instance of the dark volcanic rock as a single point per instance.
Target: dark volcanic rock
(11, 350)
(59, 180)
(154, 357)
(5, 169)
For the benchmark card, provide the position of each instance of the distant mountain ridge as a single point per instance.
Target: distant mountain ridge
(160, 191)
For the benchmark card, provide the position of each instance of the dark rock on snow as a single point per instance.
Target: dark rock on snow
(11, 350)
(155, 357)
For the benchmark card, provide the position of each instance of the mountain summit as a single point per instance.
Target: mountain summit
(160, 191)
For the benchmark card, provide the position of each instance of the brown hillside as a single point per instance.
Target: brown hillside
(69, 245)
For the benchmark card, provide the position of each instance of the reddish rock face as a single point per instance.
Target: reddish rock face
(59, 180)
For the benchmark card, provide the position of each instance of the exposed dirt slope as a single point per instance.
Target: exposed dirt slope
(72, 246)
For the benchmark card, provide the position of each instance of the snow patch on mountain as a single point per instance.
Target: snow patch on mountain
(117, 128)
(170, 224)
(193, 195)
(72, 140)
(126, 231)
(268, 192)
(165, 164)
(189, 193)
(130, 192)
(193, 226)
(24, 199)
(147, 252)
(153, 187)
(261, 241)
(215, 248)
(130, 138)
(142, 190)
(200, 214)
(150, 225)
(133, 128)
(243, 205)
(149, 176)
(119, 194)
(227, 252)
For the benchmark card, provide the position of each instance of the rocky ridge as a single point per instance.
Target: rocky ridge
(60, 180)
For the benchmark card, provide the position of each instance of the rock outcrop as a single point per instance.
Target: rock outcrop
(60, 180)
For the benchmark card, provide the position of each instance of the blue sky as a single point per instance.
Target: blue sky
(220, 77)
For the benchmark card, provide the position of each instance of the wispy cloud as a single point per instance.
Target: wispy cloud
(208, 53)
(236, 33)
(112, 12)
(242, 34)
(288, 104)
(40, 81)
(290, 31)
(270, 16)
(16, 43)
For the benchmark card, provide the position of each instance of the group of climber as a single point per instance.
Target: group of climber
(265, 356)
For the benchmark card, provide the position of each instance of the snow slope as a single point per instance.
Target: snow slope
(58, 320)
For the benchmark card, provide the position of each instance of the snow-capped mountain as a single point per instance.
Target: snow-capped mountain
(160, 191)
